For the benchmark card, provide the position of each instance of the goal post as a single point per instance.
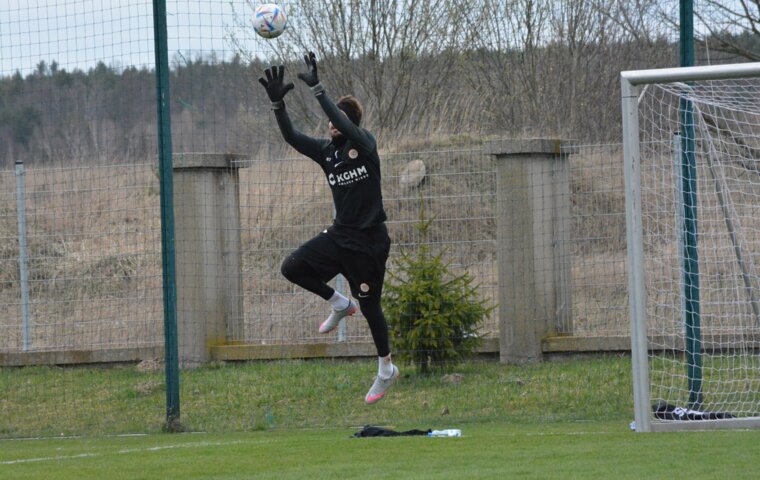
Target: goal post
(691, 140)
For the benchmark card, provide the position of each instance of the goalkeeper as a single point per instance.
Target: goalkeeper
(357, 243)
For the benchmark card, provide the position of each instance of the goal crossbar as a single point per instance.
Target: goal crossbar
(689, 74)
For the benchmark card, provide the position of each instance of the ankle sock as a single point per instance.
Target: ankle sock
(338, 301)
(384, 367)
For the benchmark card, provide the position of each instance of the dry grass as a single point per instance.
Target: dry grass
(94, 240)
(94, 259)
(95, 262)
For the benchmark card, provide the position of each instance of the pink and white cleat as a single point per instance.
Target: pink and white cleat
(336, 316)
(381, 386)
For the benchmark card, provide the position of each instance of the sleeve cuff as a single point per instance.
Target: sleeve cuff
(278, 105)
(318, 89)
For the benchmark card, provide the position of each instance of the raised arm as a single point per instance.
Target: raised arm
(276, 90)
(353, 132)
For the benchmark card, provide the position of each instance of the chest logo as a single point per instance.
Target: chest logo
(349, 177)
(353, 154)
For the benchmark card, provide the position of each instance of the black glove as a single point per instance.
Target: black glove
(276, 88)
(310, 78)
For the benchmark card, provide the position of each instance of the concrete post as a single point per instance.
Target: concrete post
(533, 226)
(209, 273)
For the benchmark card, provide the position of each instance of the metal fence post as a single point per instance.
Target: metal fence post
(23, 257)
(167, 214)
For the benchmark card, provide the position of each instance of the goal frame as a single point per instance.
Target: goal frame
(632, 83)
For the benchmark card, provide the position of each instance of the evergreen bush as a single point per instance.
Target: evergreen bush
(433, 313)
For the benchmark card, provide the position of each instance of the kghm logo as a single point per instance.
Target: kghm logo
(349, 177)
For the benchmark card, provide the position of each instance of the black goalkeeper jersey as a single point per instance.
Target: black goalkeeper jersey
(352, 169)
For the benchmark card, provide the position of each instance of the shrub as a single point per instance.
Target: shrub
(433, 314)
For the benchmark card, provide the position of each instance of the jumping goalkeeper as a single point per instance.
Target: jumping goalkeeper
(357, 243)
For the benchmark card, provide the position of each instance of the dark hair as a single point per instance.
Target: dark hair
(352, 108)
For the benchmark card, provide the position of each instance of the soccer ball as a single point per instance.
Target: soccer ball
(270, 20)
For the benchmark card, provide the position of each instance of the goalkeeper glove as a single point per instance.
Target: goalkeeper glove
(311, 78)
(275, 85)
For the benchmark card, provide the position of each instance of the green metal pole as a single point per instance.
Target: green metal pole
(167, 216)
(689, 183)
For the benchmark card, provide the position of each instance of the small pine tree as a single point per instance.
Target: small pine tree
(433, 314)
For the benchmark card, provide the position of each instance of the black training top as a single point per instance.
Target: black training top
(352, 167)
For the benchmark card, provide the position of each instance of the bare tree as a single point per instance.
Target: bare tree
(726, 26)
(505, 55)
(638, 20)
(731, 27)
(553, 66)
(506, 67)
(376, 49)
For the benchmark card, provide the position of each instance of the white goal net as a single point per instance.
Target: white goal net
(693, 201)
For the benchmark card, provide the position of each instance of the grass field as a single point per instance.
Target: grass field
(297, 394)
(560, 450)
(295, 419)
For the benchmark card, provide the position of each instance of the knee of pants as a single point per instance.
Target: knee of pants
(370, 307)
(288, 267)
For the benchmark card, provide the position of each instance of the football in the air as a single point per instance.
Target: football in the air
(270, 20)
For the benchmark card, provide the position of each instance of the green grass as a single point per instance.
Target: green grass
(295, 419)
(45, 401)
(553, 450)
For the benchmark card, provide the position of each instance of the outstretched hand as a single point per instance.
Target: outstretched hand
(274, 83)
(310, 78)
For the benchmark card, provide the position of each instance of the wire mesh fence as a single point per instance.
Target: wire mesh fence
(599, 274)
(93, 276)
(80, 262)
(457, 192)
(94, 259)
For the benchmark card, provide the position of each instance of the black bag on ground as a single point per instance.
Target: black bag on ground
(370, 431)
(665, 411)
